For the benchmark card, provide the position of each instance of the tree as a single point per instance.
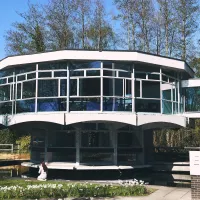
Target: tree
(83, 21)
(27, 36)
(60, 15)
(169, 23)
(127, 16)
(145, 14)
(100, 34)
(187, 14)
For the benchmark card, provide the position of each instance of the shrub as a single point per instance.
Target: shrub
(24, 142)
(57, 190)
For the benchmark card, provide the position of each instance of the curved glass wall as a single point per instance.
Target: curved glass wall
(88, 86)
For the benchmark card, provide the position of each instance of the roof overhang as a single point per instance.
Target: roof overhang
(98, 55)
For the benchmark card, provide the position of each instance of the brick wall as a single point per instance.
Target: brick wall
(195, 187)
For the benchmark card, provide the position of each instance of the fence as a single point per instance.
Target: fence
(10, 148)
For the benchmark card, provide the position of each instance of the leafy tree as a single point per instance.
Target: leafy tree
(27, 36)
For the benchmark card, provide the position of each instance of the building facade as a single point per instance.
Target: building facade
(91, 108)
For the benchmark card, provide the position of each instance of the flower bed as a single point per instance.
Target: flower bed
(36, 190)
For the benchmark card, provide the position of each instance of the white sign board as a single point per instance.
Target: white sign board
(194, 162)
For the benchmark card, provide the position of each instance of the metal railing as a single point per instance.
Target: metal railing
(7, 149)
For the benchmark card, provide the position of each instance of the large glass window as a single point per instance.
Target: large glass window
(89, 86)
(28, 89)
(47, 88)
(192, 99)
(150, 89)
(95, 139)
(4, 92)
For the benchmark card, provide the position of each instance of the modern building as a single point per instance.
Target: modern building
(95, 109)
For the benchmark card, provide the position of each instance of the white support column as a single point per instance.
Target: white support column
(68, 88)
(13, 93)
(133, 89)
(113, 82)
(179, 95)
(78, 138)
(161, 93)
(101, 75)
(172, 99)
(36, 89)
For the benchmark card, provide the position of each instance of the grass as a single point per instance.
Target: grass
(61, 189)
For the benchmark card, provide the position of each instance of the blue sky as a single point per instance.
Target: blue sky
(8, 15)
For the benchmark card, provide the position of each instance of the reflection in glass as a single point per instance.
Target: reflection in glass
(4, 92)
(95, 139)
(147, 105)
(47, 88)
(117, 104)
(25, 106)
(192, 99)
(73, 87)
(89, 86)
(29, 89)
(150, 89)
(61, 139)
(53, 104)
(167, 107)
(63, 87)
(5, 108)
(52, 65)
(84, 104)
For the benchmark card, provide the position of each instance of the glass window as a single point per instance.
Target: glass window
(73, 87)
(25, 106)
(31, 76)
(93, 73)
(85, 65)
(107, 65)
(128, 87)
(154, 76)
(140, 75)
(109, 73)
(62, 139)
(47, 88)
(150, 89)
(125, 74)
(44, 74)
(118, 87)
(63, 87)
(89, 86)
(95, 139)
(19, 88)
(25, 68)
(28, 89)
(4, 92)
(52, 65)
(3, 81)
(137, 88)
(5, 108)
(77, 73)
(52, 104)
(21, 78)
(192, 99)
(60, 74)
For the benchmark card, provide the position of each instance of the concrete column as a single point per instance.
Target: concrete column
(78, 138)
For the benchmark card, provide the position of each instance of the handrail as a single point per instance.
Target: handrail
(11, 149)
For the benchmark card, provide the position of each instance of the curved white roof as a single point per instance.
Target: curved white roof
(97, 55)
